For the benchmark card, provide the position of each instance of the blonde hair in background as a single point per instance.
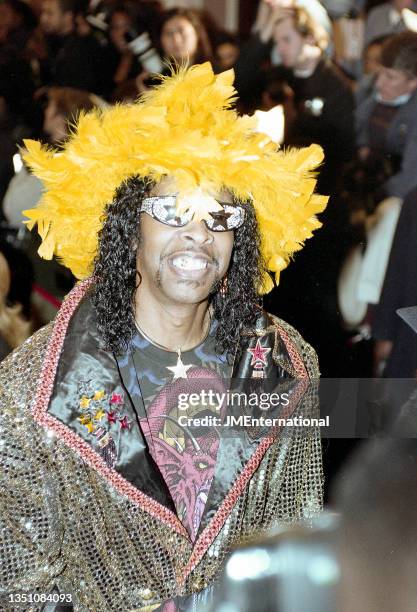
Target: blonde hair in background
(13, 327)
(305, 25)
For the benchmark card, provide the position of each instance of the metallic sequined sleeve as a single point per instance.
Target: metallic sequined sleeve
(31, 530)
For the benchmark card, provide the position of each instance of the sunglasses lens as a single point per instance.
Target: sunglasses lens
(164, 209)
(230, 218)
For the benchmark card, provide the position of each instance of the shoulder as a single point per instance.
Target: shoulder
(20, 371)
(296, 346)
(366, 106)
(409, 109)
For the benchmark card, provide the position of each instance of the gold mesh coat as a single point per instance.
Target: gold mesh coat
(70, 523)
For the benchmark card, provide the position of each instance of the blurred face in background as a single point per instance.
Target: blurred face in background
(54, 20)
(290, 45)
(120, 24)
(372, 59)
(54, 123)
(392, 83)
(7, 21)
(226, 55)
(179, 39)
(400, 5)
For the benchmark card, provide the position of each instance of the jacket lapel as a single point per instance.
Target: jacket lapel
(81, 398)
(238, 444)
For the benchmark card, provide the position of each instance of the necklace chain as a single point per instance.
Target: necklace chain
(165, 348)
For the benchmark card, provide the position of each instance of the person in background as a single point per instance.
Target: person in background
(322, 95)
(183, 37)
(268, 9)
(14, 329)
(17, 83)
(387, 147)
(387, 19)
(377, 497)
(131, 46)
(386, 121)
(63, 106)
(396, 342)
(121, 24)
(259, 53)
(324, 113)
(17, 22)
(73, 60)
(371, 66)
(226, 50)
(183, 40)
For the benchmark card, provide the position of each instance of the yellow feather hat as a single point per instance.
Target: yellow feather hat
(184, 128)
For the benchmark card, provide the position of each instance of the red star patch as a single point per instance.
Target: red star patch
(258, 353)
(116, 398)
(112, 417)
(125, 423)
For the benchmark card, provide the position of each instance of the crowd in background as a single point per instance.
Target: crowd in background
(342, 74)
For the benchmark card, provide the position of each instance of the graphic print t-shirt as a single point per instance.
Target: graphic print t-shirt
(185, 454)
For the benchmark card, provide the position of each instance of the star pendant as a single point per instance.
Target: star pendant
(179, 370)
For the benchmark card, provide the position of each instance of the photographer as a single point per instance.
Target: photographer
(73, 60)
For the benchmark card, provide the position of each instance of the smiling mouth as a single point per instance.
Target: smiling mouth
(187, 262)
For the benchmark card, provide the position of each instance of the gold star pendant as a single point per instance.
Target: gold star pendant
(179, 370)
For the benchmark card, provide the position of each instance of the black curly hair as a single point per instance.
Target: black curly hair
(117, 278)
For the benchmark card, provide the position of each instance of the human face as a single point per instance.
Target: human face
(227, 54)
(120, 25)
(179, 39)
(53, 20)
(392, 83)
(289, 43)
(54, 123)
(181, 265)
(372, 59)
(400, 5)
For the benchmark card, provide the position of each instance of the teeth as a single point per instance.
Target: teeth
(189, 263)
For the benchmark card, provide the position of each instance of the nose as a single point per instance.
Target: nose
(197, 232)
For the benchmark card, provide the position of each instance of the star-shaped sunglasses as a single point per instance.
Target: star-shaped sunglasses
(164, 209)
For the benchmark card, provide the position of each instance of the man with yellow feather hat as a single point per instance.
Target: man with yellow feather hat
(174, 213)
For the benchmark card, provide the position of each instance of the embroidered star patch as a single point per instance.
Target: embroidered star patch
(259, 354)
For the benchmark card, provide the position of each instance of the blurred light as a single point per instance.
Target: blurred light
(17, 163)
(249, 564)
(410, 19)
(227, 607)
(323, 570)
(315, 106)
(271, 123)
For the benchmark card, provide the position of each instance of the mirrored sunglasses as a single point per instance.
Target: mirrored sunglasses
(164, 209)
